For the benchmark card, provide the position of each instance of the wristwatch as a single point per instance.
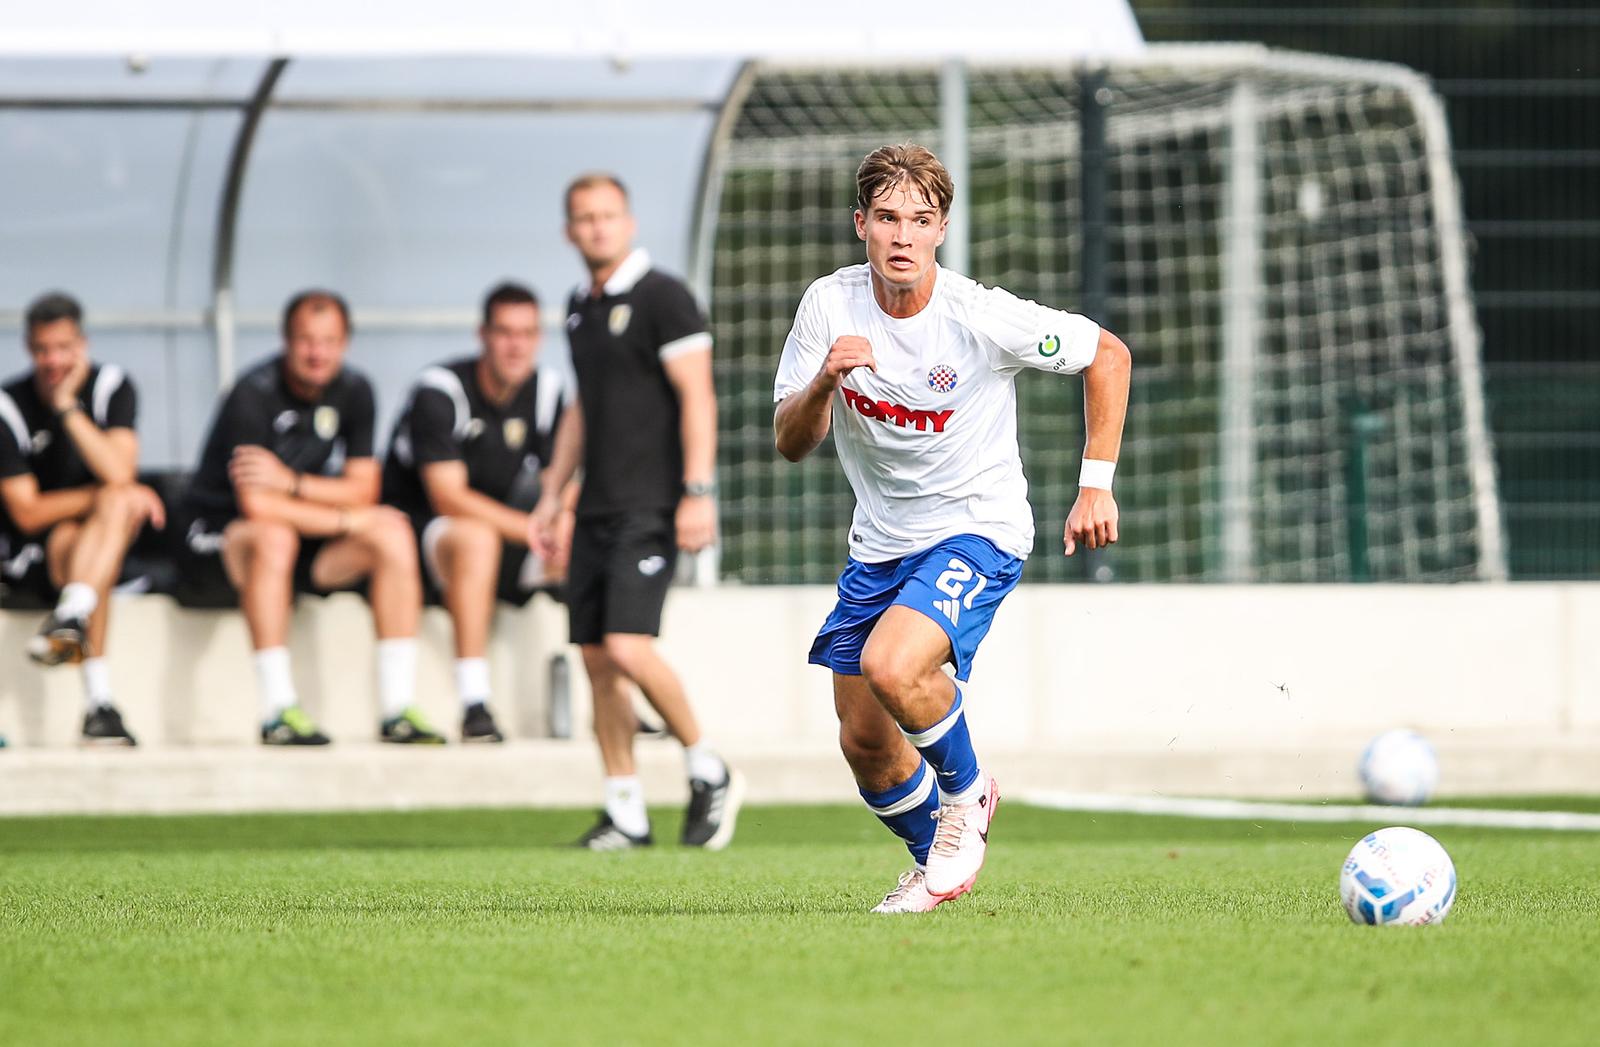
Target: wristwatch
(700, 490)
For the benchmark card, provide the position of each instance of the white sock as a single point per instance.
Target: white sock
(397, 675)
(625, 805)
(274, 684)
(472, 681)
(703, 763)
(96, 684)
(970, 794)
(78, 600)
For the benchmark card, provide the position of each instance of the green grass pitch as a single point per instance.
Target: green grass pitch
(484, 927)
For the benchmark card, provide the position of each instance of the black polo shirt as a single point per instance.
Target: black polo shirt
(633, 450)
(447, 418)
(33, 440)
(309, 437)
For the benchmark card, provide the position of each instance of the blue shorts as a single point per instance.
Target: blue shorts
(958, 583)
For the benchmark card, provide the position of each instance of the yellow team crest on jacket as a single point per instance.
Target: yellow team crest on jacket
(515, 430)
(325, 420)
(620, 315)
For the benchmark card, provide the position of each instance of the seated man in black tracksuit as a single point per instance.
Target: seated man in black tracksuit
(286, 500)
(69, 503)
(464, 464)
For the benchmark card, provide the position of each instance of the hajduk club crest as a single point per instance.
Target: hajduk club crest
(941, 379)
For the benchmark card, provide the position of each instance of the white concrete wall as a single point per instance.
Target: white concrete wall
(185, 677)
(1203, 690)
(1136, 667)
(1176, 667)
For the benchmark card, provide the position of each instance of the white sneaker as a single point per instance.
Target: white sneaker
(959, 843)
(909, 895)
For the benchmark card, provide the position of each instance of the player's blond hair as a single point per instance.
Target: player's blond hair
(909, 165)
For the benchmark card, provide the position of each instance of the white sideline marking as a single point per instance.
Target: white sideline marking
(1243, 810)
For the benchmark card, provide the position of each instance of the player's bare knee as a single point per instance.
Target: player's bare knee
(115, 502)
(628, 652)
(470, 546)
(391, 537)
(269, 545)
(892, 676)
(598, 664)
(474, 536)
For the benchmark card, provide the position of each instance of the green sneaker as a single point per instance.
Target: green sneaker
(292, 727)
(409, 728)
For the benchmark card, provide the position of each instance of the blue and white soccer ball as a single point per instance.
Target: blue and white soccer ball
(1399, 767)
(1398, 877)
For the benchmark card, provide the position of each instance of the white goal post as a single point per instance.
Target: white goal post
(1277, 236)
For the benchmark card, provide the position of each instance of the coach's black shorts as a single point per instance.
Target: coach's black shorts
(521, 573)
(24, 572)
(203, 578)
(622, 565)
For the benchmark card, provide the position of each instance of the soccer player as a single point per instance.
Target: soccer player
(463, 465)
(69, 502)
(913, 367)
(644, 427)
(286, 500)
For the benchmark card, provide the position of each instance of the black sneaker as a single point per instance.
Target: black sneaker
(605, 836)
(713, 811)
(104, 727)
(477, 725)
(59, 641)
(292, 727)
(409, 728)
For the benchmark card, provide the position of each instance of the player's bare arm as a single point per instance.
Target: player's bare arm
(801, 421)
(256, 467)
(696, 518)
(33, 510)
(1093, 519)
(112, 456)
(565, 455)
(450, 494)
(322, 506)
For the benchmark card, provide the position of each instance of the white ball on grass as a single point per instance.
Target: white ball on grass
(1397, 877)
(1399, 767)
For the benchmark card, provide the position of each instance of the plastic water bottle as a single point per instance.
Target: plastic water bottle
(558, 707)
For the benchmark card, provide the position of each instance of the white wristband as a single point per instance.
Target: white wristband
(1095, 472)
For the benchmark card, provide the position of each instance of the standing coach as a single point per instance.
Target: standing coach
(644, 429)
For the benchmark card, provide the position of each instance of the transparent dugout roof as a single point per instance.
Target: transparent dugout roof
(409, 185)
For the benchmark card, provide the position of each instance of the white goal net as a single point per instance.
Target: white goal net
(1281, 249)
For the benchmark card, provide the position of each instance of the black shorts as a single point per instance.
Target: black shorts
(24, 573)
(203, 578)
(622, 565)
(521, 575)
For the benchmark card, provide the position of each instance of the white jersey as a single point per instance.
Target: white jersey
(929, 442)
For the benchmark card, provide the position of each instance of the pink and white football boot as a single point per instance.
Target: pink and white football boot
(959, 843)
(909, 895)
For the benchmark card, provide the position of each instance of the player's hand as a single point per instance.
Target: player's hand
(542, 536)
(1093, 520)
(555, 565)
(64, 394)
(253, 466)
(696, 521)
(150, 508)
(846, 354)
